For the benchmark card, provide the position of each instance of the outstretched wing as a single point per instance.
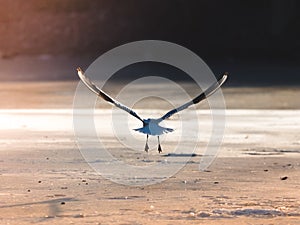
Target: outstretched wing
(208, 92)
(103, 95)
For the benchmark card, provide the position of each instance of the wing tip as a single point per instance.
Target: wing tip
(79, 69)
(79, 72)
(223, 78)
(225, 75)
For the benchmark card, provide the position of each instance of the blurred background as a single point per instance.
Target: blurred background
(257, 41)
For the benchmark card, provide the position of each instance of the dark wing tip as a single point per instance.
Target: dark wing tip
(80, 72)
(223, 75)
(223, 78)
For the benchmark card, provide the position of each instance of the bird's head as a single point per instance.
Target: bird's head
(147, 121)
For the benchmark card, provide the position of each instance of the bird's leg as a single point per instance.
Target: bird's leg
(159, 147)
(146, 146)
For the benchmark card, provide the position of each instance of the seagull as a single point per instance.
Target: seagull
(151, 126)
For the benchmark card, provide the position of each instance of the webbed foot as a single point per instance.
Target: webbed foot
(159, 148)
(146, 147)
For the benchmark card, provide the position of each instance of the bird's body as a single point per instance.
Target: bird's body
(151, 126)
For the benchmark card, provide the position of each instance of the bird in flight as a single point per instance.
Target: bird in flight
(151, 126)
